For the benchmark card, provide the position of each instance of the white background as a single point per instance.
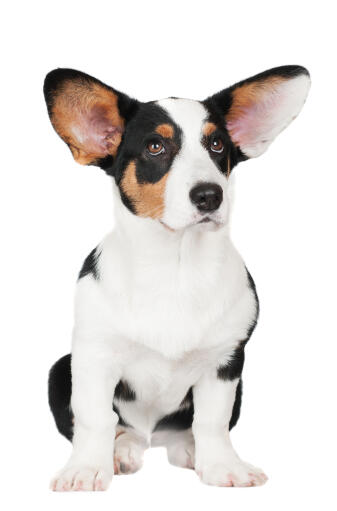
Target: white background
(53, 212)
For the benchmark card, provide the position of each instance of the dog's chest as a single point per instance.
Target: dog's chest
(171, 303)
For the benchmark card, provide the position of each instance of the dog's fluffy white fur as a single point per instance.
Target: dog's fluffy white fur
(171, 304)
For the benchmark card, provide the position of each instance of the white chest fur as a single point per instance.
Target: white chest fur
(174, 294)
(167, 307)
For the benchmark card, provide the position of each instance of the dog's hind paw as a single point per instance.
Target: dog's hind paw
(129, 451)
(181, 454)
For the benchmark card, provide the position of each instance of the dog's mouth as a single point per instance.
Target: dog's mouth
(210, 222)
(214, 224)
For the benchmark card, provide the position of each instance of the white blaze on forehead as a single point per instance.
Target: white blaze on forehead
(192, 165)
(189, 115)
(193, 161)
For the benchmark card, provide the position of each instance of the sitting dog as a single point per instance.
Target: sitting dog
(165, 304)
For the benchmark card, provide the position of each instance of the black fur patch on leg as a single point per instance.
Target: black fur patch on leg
(182, 418)
(59, 395)
(232, 371)
(233, 368)
(237, 406)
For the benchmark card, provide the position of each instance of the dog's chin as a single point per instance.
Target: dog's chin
(202, 225)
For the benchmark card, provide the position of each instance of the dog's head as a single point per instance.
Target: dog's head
(171, 159)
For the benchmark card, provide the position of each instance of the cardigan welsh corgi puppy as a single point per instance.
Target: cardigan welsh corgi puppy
(165, 304)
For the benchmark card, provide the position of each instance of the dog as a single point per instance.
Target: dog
(164, 305)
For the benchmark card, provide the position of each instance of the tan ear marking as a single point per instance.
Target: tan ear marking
(165, 130)
(147, 198)
(86, 116)
(209, 128)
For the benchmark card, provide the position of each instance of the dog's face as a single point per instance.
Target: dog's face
(173, 164)
(172, 158)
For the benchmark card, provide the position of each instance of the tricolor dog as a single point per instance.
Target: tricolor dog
(165, 304)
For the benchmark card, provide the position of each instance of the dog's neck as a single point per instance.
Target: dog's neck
(151, 240)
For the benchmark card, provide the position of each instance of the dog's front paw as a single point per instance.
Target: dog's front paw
(234, 473)
(82, 478)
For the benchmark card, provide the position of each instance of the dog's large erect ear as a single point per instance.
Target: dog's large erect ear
(87, 114)
(258, 109)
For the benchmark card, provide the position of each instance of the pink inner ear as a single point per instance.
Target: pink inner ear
(258, 115)
(245, 128)
(258, 123)
(95, 132)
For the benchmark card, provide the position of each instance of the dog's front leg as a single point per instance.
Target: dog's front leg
(94, 379)
(216, 462)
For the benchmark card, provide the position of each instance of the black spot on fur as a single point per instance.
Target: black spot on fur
(188, 399)
(237, 406)
(124, 392)
(252, 286)
(177, 421)
(180, 419)
(59, 396)
(233, 368)
(90, 265)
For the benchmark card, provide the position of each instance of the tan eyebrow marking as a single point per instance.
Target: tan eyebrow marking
(165, 130)
(147, 198)
(209, 128)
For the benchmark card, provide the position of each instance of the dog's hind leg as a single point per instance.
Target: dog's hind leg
(129, 446)
(129, 451)
(180, 448)
(59, 395)
(179, 445)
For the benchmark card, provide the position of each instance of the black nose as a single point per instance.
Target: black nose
(206, 196)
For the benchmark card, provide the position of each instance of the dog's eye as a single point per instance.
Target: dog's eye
(155, 147)
(217, 145)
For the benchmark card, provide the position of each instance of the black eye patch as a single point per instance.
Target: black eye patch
(151, 125)
(231, 155)
(218, 145)
(150, 168)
